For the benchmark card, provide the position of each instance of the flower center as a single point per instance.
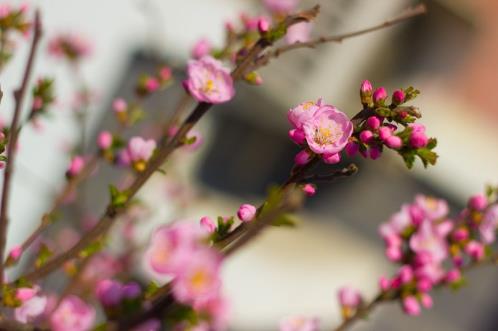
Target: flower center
(208, 86)
(199, 280)
(329, 134)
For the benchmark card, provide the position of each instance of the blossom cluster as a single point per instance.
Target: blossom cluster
(148, 84)
(12, 19)
(43, 97)
(432, 248)
(391, 125)
(68, 46)
(180, 251)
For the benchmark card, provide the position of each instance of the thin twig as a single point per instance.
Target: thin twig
(336, 174)
(408, 14)
(19, 95)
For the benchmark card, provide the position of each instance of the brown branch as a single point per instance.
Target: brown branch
(392, 295)
(336, 174)
(164, 151)
(19, 95)
(407, 15)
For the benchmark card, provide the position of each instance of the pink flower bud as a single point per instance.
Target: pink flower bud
(424, 285)
(37, 103)
(352, 148)
(374, 152)
(394, 254)
(385, 132)
(366, 87)
(25, 293)
(349, 297)
(297, 136)
(398, 97)
(384, 283)
(394, 142)
(77, 164)
(104, 140)
(201, 48)
(302, 157)
(475, 250)
(246, 212)
(373, 122)
(418, 140)
(405, 274)
(16, 252)
(109, 292)
(417, 127)
(208, 224)
(119, 105)
(379, 95)
(478, 202)
(366, 136)
(263, 25)
(165, 73)
(426, 300)
(151, 85)
(131, 290)
(460, 234)
(331, 158)
(309, 190)
(411, 306)
(453, 276)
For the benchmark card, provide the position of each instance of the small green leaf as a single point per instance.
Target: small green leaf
(118, 198)
(151, 289)
(288, 220)
(91, 249)
(43, 255)
(383, 111)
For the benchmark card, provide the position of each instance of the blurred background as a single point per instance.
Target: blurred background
(449, 54)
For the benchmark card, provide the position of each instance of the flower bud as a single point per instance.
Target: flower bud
(263, 25)
(119, 105)
(475, 250)
(426, 300)
(331, 158)
(398, 97)
(379, 95)
(373, 122)
(297, 136)
(351, 148)
(302, 158)
(374, 152)
(385, 132)
(366, 92)
(109, 292)
(418, 140)
(478, 202)
(394, 142)
(104, 140)
(208, 224)
(411, 306)
(366, 136)
(246, 212)
(309, 190)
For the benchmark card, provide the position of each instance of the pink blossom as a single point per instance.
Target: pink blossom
(303, 113)
(428, 240)
(32, 306)
(385, 132)
(263, 25)
(405, 274)
(281, 6)
(349, 297)
(487, 228)
(298, 33)
(76, 166)
(140, 150)
(461, 234)
(119, 105)
(199, 279)
(5, 10)
(302, 158)
(432, 208)
(201, 48)
(209, 81)
(72, 314)
(37, 103)
(417, 127)
(366, 136)
(328, 131)
(208, 224)
(478, 202)
(104, 140)
(309, 190)
(171, 246)
(384, 283)
(299, 323)
(218, 310)
(453, 276)
(73, 47)
(411, 306)
(246, 212)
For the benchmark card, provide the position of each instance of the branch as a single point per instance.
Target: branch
(344, 172)
(19, 95)
(391, 295)
(164, 151)
(407, 15)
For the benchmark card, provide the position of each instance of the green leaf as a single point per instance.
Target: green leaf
(408, 157)
(118, 198)
(91, 249)
(288, 220)
(383, 111)
(43, 255)
(427, 156)
(151, 289)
